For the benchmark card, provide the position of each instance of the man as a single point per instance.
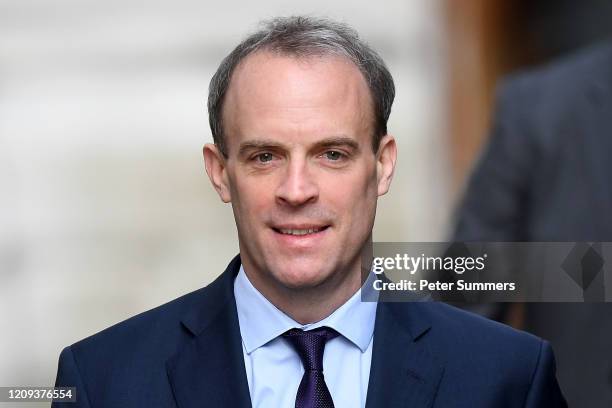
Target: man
(545, 176)
(299, 112)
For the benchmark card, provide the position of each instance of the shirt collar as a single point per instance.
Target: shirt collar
(260, 321)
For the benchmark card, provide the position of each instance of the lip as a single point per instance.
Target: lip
(300, 241)
(301, 226)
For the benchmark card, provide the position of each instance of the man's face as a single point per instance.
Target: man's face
(301, 174)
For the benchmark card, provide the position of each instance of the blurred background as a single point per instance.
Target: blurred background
(106, 210)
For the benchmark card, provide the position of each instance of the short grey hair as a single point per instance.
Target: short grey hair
(303, 37)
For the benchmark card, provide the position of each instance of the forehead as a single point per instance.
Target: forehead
(277, 94)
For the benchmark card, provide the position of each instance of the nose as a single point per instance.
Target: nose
(297, 186)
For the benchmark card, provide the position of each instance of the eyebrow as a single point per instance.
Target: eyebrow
(245, 147)
(335, 141)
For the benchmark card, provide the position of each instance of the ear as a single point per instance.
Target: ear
(385, 163)
(216, 169)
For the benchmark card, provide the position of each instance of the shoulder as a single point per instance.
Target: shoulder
(129, 355)
(166, 325)
(463, 339)
(151, 337)
(536, 108)
(561, 80)
(502, 363)
(496, 362)
(157, 328)
(134, 354)
(475, 329)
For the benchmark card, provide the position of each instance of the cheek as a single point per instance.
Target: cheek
(250, 197)
(353, 197)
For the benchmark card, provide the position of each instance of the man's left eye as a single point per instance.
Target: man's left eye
(333, 155)
(264, 157)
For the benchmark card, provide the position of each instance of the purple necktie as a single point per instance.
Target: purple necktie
(310, 345)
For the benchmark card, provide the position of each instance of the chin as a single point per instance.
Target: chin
(301, 276)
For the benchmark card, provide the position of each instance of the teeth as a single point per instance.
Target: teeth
(299, 231)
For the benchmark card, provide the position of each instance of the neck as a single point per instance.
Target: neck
(310, 304)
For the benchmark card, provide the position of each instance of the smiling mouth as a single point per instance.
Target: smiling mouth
(300, 232)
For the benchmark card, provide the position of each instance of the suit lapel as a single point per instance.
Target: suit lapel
(403, 372)
(209, 371)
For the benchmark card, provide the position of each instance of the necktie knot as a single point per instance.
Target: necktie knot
(310, 345)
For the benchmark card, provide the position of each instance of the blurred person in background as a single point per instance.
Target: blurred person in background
(299, 113)
(545, 175)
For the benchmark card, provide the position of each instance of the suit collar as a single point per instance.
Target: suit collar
(261, 322)
(209, 370)
(404, 372)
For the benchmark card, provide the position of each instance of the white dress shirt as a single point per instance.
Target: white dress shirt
(273, 368)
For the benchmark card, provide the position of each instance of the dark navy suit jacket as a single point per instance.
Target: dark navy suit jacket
(188, 354)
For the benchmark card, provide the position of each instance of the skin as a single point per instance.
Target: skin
(298, 135)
